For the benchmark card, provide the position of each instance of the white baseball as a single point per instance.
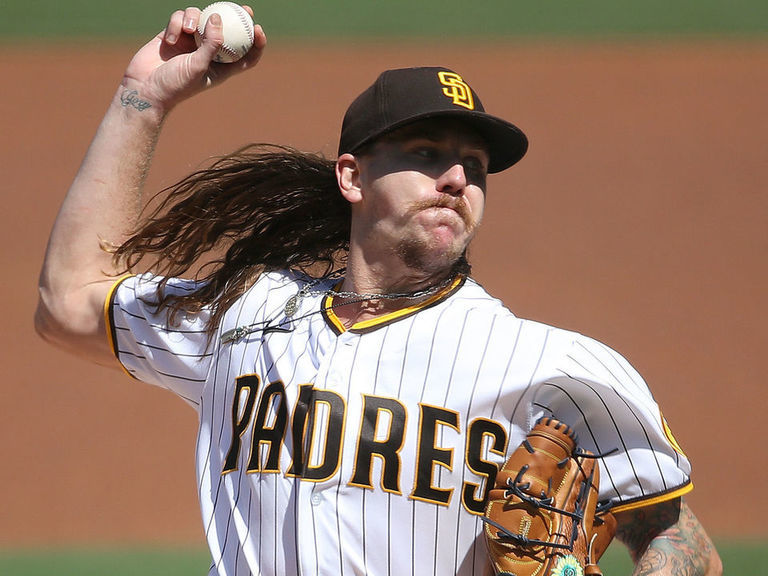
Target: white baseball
(237, 28)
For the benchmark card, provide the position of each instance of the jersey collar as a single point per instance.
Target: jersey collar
(368, 325)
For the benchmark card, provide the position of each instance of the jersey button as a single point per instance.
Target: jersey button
(316, 499)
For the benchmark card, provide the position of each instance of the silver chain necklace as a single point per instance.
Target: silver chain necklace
(294, 303)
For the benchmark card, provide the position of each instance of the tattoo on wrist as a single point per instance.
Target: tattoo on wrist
(131, 98)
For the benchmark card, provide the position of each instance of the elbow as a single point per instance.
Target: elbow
(74, 323)
(47, 326)
(62, 319)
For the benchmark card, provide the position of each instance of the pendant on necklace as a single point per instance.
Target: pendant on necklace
(292, 306)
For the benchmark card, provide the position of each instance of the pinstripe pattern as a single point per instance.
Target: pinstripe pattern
(450, 367)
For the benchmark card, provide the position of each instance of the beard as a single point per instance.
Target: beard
(417, 255)
(423, 252)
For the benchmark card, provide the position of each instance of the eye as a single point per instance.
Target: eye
(425, 152)
(475, 164)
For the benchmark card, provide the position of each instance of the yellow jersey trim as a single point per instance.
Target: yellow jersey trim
(109, 321)
(329, 315)
(365, 325)
(676, 493)
(670, 437)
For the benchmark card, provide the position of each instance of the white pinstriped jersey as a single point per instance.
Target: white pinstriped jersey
(368, 451)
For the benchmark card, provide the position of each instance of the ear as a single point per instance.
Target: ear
(348, 178)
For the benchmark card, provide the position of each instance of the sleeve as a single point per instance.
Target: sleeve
(149, 347)
(612, 409)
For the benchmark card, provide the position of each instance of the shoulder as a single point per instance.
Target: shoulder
(563, 353)
(274, 282)
(472, 295)
(269, 293)
(589, 359)
(475, 297)
(148, 284)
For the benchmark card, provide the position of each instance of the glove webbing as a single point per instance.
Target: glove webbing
(516, 487)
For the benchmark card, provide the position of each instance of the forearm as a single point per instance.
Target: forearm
(101, 207)
(103, 201)
(667, 539)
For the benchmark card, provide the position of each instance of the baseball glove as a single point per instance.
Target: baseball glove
(542, 516)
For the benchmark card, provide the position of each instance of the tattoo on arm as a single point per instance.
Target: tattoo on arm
(637, 528)
(131, 98)
(665, 539)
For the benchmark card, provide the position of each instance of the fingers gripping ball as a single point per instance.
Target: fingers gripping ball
(237, 28)
(541, 516)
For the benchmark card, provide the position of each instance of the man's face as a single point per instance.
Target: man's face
(423, 193)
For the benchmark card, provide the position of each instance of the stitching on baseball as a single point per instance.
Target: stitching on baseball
(228, 50)
(245, 20)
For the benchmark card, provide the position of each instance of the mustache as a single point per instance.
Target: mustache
(445, 201)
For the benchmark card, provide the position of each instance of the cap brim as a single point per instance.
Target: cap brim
(506, 142)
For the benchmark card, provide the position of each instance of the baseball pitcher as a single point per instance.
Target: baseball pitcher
(365, 406)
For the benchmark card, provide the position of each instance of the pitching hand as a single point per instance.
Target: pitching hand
(171, 68)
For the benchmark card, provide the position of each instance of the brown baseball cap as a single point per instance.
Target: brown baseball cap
(406, 95)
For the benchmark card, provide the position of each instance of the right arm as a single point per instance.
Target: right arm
(104, 200)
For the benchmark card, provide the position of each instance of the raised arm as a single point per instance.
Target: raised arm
(104, 200)
(666, 539)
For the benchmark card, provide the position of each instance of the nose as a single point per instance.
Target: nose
(453, 180)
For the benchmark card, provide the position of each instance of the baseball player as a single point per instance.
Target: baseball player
(356, 389)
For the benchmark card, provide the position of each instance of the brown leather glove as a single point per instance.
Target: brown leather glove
(541, 515)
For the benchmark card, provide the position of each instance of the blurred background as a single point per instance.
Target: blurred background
(639, 217)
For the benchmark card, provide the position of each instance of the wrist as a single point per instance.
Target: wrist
(136, 103)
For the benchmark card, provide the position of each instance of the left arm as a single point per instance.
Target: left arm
(666, 539)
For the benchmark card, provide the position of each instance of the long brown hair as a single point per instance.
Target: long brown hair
(264, 206)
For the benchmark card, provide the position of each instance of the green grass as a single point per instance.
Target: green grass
(62, 19)
(105, 562)
(738, 558)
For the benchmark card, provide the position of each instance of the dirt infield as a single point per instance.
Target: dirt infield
(639, 217)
